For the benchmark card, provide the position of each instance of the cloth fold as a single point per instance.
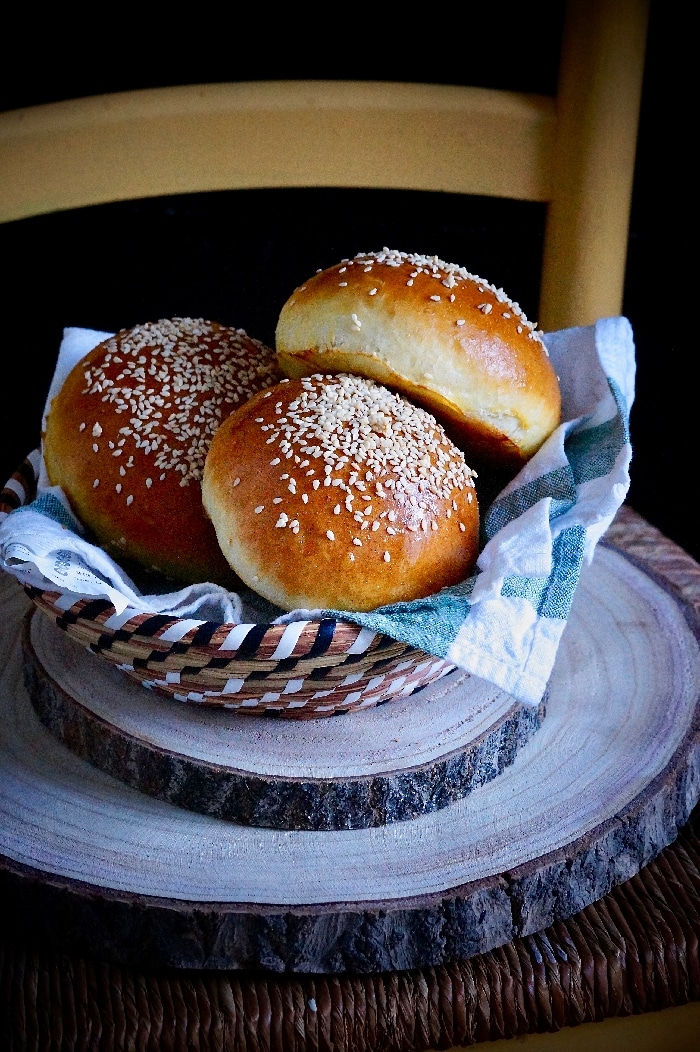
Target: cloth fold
(504, 623)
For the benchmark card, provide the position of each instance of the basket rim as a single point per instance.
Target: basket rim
(305, 669)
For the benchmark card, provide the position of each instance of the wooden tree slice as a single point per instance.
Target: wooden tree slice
(386, 764)
(612, 773)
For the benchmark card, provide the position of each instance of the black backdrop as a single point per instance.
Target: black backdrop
(235, 257)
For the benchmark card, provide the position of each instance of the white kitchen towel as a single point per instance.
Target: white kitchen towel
(504, 622)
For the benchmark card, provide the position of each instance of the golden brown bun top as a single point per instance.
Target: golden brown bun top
(332, 492)
(442, 336)
(127, 434)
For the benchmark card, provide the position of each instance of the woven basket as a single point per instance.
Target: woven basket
(307, 669)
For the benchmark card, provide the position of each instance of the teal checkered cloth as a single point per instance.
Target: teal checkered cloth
(504, 623)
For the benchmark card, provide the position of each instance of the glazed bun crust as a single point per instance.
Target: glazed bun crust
(443, 337)
(332, 492)
(127, 434)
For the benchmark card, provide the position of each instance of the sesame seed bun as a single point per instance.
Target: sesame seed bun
(127, 435)
(443, 337)
(332, 492)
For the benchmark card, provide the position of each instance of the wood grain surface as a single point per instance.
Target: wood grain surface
(385, 764)
(602, 787)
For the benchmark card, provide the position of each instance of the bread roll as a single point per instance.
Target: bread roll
(332, 492)
(127, 435)
(443, 337)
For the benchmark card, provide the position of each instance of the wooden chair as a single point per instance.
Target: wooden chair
(575, 151)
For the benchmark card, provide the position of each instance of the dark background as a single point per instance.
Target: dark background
(235, 257)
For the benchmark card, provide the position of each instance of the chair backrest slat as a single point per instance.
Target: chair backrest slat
(271, 134)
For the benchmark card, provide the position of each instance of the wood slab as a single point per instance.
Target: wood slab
(387, 764)
(598, 791)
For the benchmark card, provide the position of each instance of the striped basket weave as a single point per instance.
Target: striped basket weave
(306, 669)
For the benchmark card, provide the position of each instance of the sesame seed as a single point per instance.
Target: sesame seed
(330, 535)
(197, 371)
(377, 447)
(450, 275)
(260, 507)
(387, 557)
